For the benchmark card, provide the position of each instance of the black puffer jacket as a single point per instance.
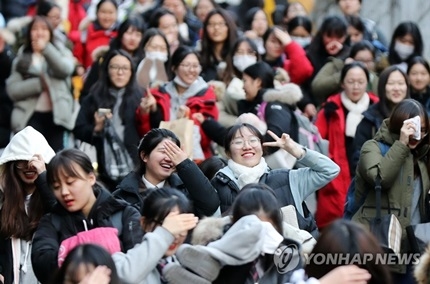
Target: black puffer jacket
(61, 224)
(189, 179)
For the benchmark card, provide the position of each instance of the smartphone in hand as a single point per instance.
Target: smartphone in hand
(104, 111)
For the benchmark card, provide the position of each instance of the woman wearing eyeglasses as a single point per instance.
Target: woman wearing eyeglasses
(115, 96)
(337, 122)
(244, 148)
(22, 202)
(187, 93)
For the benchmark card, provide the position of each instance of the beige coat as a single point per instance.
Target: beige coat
(24, 92)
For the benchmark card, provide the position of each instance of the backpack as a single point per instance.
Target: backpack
(308, 134)
(352, 205)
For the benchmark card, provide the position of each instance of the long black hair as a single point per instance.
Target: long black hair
(150, 141)
(136, 24)
(100, 90)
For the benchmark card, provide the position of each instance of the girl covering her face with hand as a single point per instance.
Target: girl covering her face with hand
(403, 169)
(39, 85)
(24, 198)
(163, 163)
(166, 220)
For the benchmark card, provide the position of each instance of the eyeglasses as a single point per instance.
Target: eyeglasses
(117, 68)
(22, 165)
(217, 25)
(187, 66)
(238, 143)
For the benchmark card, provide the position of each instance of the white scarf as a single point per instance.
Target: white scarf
(355, 111)
(246, 175)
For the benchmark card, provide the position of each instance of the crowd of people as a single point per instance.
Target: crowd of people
(279, 110)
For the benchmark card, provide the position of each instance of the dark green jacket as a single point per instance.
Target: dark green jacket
(397, 180)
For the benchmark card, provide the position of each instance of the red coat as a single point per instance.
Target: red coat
(96, 38)
(203, 102)
(297, 64)
(331, 198)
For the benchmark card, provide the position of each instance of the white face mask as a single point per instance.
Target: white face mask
(156, 55)
(303, 41)
(403, 50)
(241, 62)
(178, 81)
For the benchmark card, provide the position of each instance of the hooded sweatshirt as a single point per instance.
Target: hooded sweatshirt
(15, 261)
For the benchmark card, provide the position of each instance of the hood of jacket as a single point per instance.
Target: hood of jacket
(24, 145)
(16, 25)
(289, 94)
(209, 229)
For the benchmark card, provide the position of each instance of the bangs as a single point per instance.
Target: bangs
(62, 168)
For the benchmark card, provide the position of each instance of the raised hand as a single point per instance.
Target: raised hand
(346, 274)
(183, 112)
(283, 37)
(99, 121)
(148, 103)
(408, 129)
(286, 143)
(177, 223)
(199, 117)
(175, 154)
(38, 163)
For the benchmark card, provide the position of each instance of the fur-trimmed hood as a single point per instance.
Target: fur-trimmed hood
(209, 229)
(422, 269)
(8, 36)
(16, 25)
(289, 94)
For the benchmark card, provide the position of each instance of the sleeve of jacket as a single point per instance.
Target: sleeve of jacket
(135, 265)
(389, 166)
(203, 194)
(297, 65)
(131, 231)
(278, 119)
(214, 131)
(327, 80)
(321, 124)
(44, 251)
(48, 197)
(60, 61)
(19, 88)
(318, 170)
